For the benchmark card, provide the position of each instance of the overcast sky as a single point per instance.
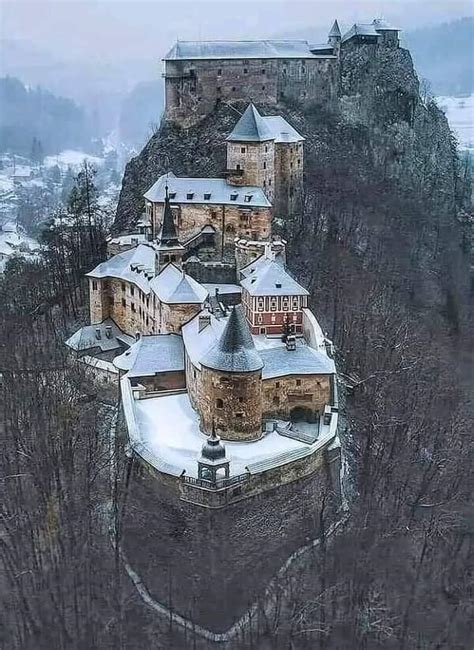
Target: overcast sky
(113, 29)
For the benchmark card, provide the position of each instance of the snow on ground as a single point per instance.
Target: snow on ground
(71, 158)
(169, 428)
(460, 114)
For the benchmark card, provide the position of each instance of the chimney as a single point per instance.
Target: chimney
(204, 321)
(291, 342)
(108, 331)
(97, 333)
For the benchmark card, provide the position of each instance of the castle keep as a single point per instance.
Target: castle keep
(199, 74)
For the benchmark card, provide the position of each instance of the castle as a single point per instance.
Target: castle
(200, 74)
(228, 383)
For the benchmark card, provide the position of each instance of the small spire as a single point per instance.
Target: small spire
(335, 32)
(168, 229)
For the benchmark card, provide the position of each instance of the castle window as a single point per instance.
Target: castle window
(132, 305)
(264, 183)
(242, 150)
(264, 165)
(277, 384)
(270, 181)
(189, 195)
(124, 302)
(239, 415)
(238, 168)
(241, 399)
(298, 382)
(207, 196)
(263, 71)
(276, 400)
(248, 198)
(172, 195)
(111, 301)
(245, 70)
(291, 165)
(219, 90)
(266, 148)
(263, 87)
(132, 291)
(219, 403)
(233, 89)
(233, 196)
(219, 72)
(194, 373)
(263, 330)
(123, 286)
(94, 285)
(299, 161)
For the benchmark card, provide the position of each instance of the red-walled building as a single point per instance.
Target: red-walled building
(272, 300)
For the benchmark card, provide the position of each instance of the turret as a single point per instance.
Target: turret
(212, 463)
(334, 36)
(168, 248)
(232, 383)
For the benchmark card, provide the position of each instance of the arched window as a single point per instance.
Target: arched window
(219, 403)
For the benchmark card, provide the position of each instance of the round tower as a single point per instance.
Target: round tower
(334, 37)
(232, 383)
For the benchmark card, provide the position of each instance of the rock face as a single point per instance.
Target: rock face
(380, 122)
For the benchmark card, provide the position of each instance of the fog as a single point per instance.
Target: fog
(111, 30)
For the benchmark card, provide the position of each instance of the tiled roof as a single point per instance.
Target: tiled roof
(153, 354)
(206, 190)
(128, 266)
(359, 29)
(173, 286)
(280, 362)
(86, 337)
(253, 127)
(235, 350)
(268, 49)
(269, 278)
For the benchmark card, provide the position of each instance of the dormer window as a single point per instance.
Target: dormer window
(248, 198)
(207, 196)
(189, 195)
(172, 195)
(233, 196)
(278, 285)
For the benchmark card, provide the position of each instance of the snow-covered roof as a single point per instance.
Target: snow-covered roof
(359, 29)
(335, 30)
(86, 338)
(269, 278)
(253, 127)
(206, 190)
(279, 362)
(128, 240)
(235, 350)
(197, 341)
(129, 266)
(174, 286)
(223, 289)
(382, 25)
(266, 49)
(153, 354)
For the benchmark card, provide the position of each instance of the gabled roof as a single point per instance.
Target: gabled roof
(269, 278)
(86, 337)
(335, 31)
(281, 129)
(280, 362)
(210, 191)
(129, 265)
(268, 49)
(359, 29)
(151, 355)
(251, 128)
(173, 286)
(235, 350)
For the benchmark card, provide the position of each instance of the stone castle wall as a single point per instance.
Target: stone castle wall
(231, 400)
(194, 87)
(229, 221)
(289, 166)
(284, 396)
(257, 160)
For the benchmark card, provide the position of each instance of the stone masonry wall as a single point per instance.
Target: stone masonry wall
(231, 400)
(257, 159)
(289, 165)
(170, 318)
(228, 221)
(282, 395)
(193, 88)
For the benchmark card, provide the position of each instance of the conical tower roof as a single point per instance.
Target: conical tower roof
(213, 451)
(235, 350)
(335, 31)
(168, 234)
(251, 128)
